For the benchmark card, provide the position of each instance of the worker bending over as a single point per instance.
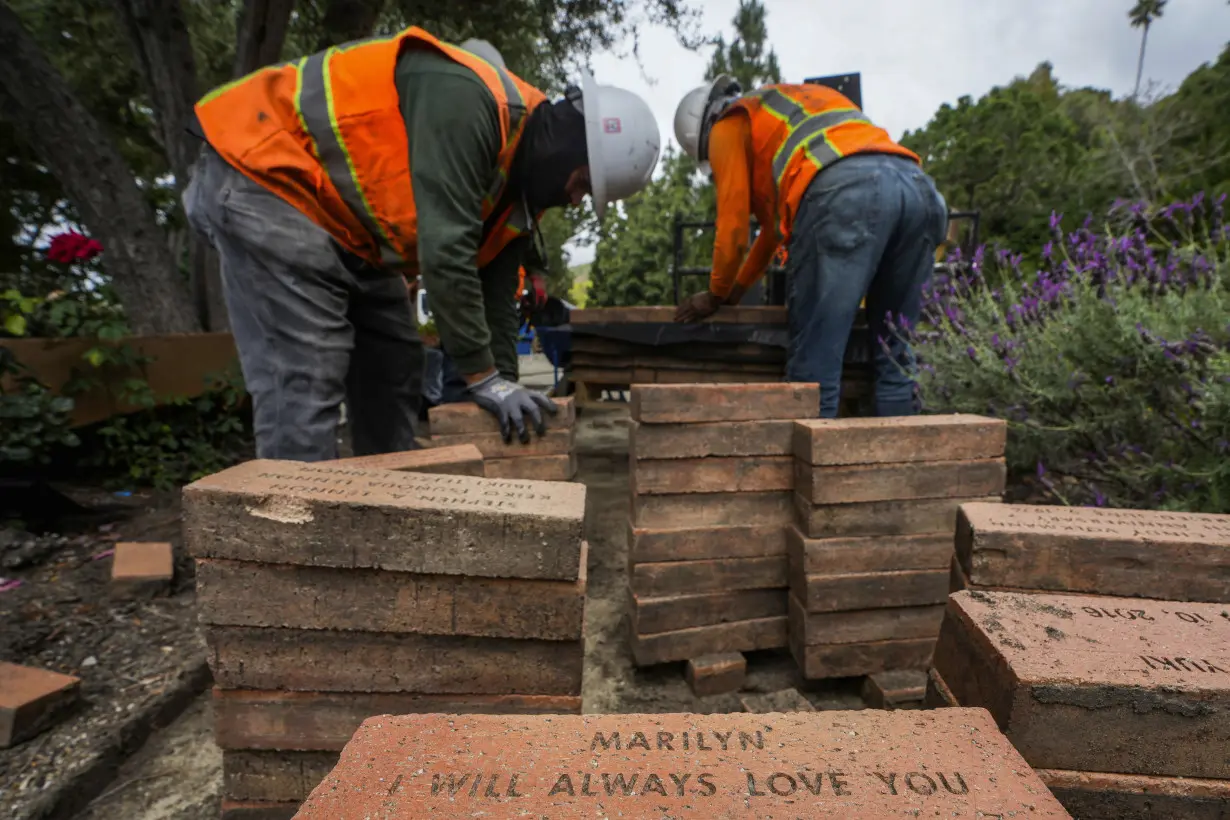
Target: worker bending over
(326, 180)
(858, 216)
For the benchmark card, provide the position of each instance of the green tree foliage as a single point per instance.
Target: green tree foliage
(748, 58)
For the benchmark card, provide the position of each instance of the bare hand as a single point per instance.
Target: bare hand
(698, 307)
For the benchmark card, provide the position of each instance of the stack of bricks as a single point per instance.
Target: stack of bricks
(870, 553)
(1122, 705)
(330, 594)
(711, 477)
(551, 457)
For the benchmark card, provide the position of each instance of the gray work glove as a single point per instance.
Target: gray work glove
(510, 403)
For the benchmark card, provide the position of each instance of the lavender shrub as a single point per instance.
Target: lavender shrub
(1110, 361)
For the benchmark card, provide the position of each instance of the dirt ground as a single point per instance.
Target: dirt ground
(176, 774)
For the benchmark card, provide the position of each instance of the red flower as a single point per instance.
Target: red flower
(70, 247)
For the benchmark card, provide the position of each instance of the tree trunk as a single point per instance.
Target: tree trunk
(48, 117)
(262, 31)
(1140, 61)
(347, 20)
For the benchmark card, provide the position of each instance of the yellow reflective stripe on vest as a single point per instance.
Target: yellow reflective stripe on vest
(315, 106)
(807, 131)
(516, 112)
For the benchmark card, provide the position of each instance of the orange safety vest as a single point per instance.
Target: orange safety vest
(797, 130)
(326, 134)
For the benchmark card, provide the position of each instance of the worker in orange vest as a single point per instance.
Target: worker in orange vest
(854, 209)
(326, 180)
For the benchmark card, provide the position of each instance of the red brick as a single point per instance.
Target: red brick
(736, 636)
(31, 700)
(727, 314)
(722, 575)
(951, 762)
(321, 661)
(1099, 796)
(689, 403)
(715, 440)
(844, 660)
(716, 674)
(324, 721)
(235, 593)
(895, 689)
(285, 512)
(557, 442)
(859, 483)
(534, 468)
(273, 776)
(864, 625)
(880, 518)
(1171, 555)
(938, 695)
(464, 459)
(712, 510)
(674, 612)
(1078, 682)
(836, 556)
(870, 590)
(460, 418)
(712, 475)
(768, 703)
(702, 543)
(140, 568)
(955, 437)
(237, 810)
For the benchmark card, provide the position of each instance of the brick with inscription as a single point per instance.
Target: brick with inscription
(835, 556)
(1102, 796)
(243, 593)
(702, 543)
(241, 810)
(879, 518)
(711, 475)
(460, 418)
(692, 403)
(735, 636)
(462, 459)
(716, 674)
(895, 689)
(783, 700)
(291, 513)
(722, 574)
(848, 765)
(534, 468)
(556, 442)
(864, 625)
(897, 439)
(844, 660)
(31, 700)
(712, 510)
(141, 568)
(323, 661)
(1171, 555)
(672, 612)
(860, 483)
(324, 721)
(1077, 682)
(273, 776)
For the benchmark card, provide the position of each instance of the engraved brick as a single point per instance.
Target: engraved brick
(859, 483)
(691, 403)
(864, 625)
(870, 590)
(783, 700)
(895, 689)
(712, 510)
(702, 543)
(460, 418)
(712, 475)
(556, 442)
(844, 660)
(273, 776)
(241, 593)
(1100, 796)
(462, 459)
(1077, 682)
(290, 513)
(955, 437)
(307, 721)
(31, 700)
(716, 674)
(880, 518)
(714, 440)
(314, 661)
(141, 568)
(723, 574)
(534, 468)
(1170, 555)
(938, 695)
(239, 810)
(891, 764)
(835, 556)
(674, 612)
(737, 636)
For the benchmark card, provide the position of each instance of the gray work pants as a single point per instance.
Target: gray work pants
(311, 330)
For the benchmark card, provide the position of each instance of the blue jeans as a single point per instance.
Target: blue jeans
(867, 226)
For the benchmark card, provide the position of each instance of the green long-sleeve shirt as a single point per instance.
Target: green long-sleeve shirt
(453, 127)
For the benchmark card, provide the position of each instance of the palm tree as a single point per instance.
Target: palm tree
(1142, 16)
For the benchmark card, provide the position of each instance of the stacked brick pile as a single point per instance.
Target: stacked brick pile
(545, 458)
(330, 594)
(1122, 705)
(876, 502)
(711, 476)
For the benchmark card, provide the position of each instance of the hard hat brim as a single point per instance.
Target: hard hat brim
(593, 142)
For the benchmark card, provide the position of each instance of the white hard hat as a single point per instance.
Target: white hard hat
(481, 48)
(697, 111)
(622, 140)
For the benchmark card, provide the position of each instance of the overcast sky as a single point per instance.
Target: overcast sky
(915, 55)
